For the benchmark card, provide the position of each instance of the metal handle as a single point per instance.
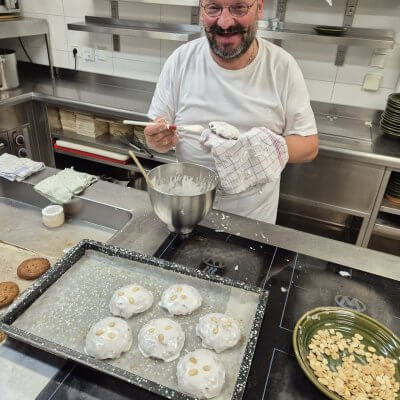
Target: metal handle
(2, 77)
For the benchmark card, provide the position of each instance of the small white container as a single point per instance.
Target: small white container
(53, 216)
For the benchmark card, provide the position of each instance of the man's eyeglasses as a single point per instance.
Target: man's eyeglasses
(214, 10)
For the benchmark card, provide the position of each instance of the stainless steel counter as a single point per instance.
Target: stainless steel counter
(145, 232)
(347, 136)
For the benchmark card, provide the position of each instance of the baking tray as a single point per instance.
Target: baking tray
(56, 312)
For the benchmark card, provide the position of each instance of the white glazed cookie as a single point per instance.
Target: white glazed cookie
(108, 338)
(129, 300)
(218, 331)
(200, 374)
(181, 299)
(162, 339)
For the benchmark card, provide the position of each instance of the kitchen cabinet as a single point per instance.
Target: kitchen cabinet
(383, 231)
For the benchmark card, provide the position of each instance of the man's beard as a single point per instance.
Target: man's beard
(226, 52)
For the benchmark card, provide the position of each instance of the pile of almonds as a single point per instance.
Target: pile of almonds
(373, 379)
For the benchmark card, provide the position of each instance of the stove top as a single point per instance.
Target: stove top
(220, 253)
(296, 284)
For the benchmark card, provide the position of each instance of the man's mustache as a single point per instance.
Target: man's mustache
(235, 29)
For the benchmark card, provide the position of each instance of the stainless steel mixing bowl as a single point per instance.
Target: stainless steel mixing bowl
(182, 194)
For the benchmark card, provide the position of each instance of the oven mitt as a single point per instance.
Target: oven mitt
(256, 157)
(60, 188)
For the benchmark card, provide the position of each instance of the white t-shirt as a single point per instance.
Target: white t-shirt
(270, 92)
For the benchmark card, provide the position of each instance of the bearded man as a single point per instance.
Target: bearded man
(232, 75)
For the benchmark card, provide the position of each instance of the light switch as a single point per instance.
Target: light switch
(372, 82)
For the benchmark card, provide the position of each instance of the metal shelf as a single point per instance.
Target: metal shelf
(189, 3)
(361, 37)
(23, 27)
(386, 228)
(129, 167)
(150, 30)
(389, 208)
(110, 143)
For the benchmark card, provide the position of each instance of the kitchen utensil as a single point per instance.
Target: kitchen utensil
(138, 163)
(8, 70)
(349, 323)
(182, 194)
(187, 128)
(89, 151)
(9, 6)
(330, 30)
(132, 141)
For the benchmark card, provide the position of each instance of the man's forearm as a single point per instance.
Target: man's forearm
(302, 148)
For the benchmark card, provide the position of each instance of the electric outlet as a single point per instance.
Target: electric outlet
(88, 54)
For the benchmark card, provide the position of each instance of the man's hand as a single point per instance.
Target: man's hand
(159, 137)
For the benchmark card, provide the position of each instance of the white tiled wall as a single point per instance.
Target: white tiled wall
(143, 58)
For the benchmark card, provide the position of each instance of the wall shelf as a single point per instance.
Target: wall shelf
(189, 3)
(386, 228)
(389, 208)
(23, 27)
(150, 30)
(106, 142)
(360, 37)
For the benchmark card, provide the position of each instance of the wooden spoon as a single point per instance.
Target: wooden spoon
(140, 166)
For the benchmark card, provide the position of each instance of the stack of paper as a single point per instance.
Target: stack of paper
(68, 120)
(90, 126)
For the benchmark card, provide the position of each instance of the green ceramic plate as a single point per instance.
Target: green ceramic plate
(393, 192)
(348, 323)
